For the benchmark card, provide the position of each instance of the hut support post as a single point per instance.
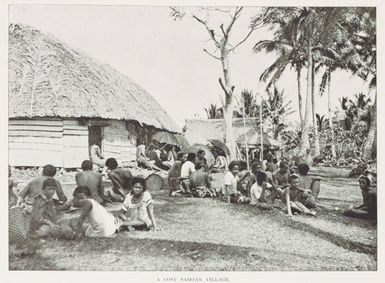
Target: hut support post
(244, 126)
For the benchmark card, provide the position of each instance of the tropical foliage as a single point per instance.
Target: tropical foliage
(321, 39)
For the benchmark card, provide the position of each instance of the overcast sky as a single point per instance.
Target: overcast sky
(165, 56)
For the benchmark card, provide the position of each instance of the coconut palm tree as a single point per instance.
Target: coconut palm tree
(277, 109)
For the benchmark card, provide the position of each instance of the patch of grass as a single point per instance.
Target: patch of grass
(207, 234)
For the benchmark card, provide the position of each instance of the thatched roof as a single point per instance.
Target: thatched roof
(47, 78)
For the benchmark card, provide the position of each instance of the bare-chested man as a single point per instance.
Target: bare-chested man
(200, 183)
(281, 176)
(311, 183)
(34, 188)
(92, 180)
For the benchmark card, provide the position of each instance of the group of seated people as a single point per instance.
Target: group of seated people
(189, 176)
(157, 157)
(265, 186)
(43, 199)
(261, 188)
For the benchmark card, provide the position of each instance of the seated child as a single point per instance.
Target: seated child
(137, 210)
(258, 191)
(298, 199)
(44, 212)
(368, 209)
(103, 224)
(231, 179)
(120, 179)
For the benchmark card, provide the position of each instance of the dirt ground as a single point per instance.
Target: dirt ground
(207, 234)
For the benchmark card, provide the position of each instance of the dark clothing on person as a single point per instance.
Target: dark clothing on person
(120, 179)
(43, 209)
(34, 188)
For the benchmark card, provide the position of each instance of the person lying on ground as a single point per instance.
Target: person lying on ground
(43, 221)
(258, 190)
(120, 179)
(34, 188)
(137, 211)
(298, 199)
(184, 183)
(92, 180)
(220, 165)
(368, 209)
(175, 173)
(142, 159)
(308, 182)
(200, 182)
(102, 223)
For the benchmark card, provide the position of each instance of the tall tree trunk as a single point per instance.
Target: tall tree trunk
(229, 105)
(299, 95)
(305, 146)
(370, 143)
(333, 145)
(315, 129)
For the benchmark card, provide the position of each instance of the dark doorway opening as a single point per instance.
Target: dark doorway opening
(95, 135)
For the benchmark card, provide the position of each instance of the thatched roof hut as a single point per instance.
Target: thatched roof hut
(61, 101)
(47, 78)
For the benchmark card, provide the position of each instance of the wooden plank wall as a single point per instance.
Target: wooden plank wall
(118, 141)
(75, 143)
(35, 142)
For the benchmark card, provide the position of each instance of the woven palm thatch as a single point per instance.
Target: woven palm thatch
(47, 78)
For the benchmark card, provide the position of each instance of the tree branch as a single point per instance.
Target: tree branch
(223, 87)
(227, 93)
(223, 31)
(210, 31)
(233, 19)
(243, 40)
(215, 57)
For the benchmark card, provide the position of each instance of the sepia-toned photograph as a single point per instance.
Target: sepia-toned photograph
(199, 138)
